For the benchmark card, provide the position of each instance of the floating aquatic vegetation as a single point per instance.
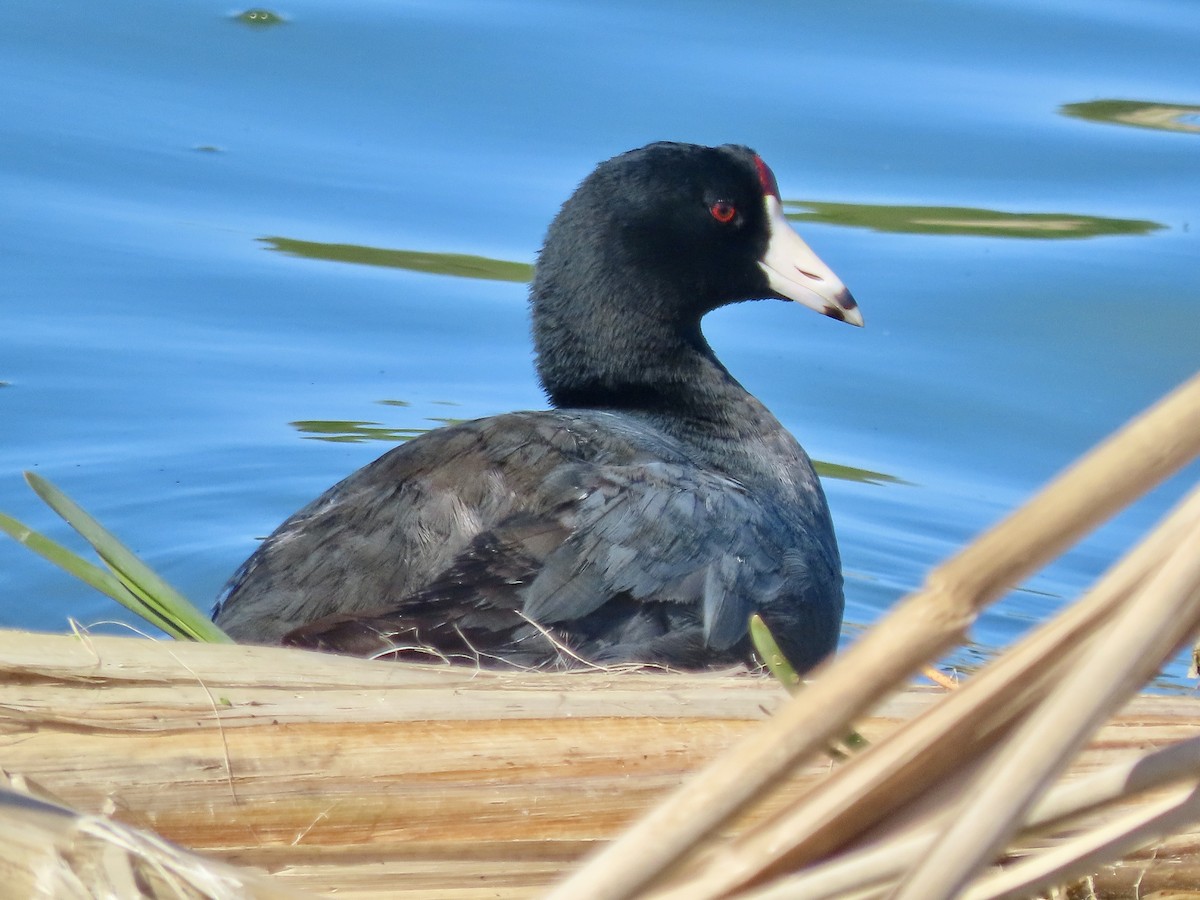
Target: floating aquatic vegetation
(259, 18)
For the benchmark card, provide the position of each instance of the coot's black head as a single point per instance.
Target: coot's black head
(651, 241)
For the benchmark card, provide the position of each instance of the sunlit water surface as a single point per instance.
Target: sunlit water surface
(232, 247)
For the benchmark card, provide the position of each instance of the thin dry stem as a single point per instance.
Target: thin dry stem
(1134, 645)
(1148, 822)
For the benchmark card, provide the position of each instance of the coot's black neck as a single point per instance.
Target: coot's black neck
(649, 365)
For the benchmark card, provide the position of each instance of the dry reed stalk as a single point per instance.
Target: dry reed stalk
(385, 780)
(1149, 821)
(1144, 772)
(1152, 624)
(922, 627)
(50, 851)
(872, 875)
(920, 758)
(375, 779)
(1060, 810)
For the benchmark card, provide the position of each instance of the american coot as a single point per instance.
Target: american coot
(645, 517)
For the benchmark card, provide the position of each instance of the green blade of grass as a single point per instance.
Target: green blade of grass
(772, 657)
(777, 664)
(94, 576)
(160, 599)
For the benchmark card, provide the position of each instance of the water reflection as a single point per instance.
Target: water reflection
(352, 432)
(853, 473)
(460, 265)
(962, 220)
(356, 432)
(1138, 113)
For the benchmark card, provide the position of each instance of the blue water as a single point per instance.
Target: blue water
(155, 350)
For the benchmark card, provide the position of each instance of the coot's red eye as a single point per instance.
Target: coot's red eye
(723, 211)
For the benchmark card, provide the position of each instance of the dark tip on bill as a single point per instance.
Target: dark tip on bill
(844, 310)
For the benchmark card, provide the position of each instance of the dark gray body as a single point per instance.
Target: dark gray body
(577, 521)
